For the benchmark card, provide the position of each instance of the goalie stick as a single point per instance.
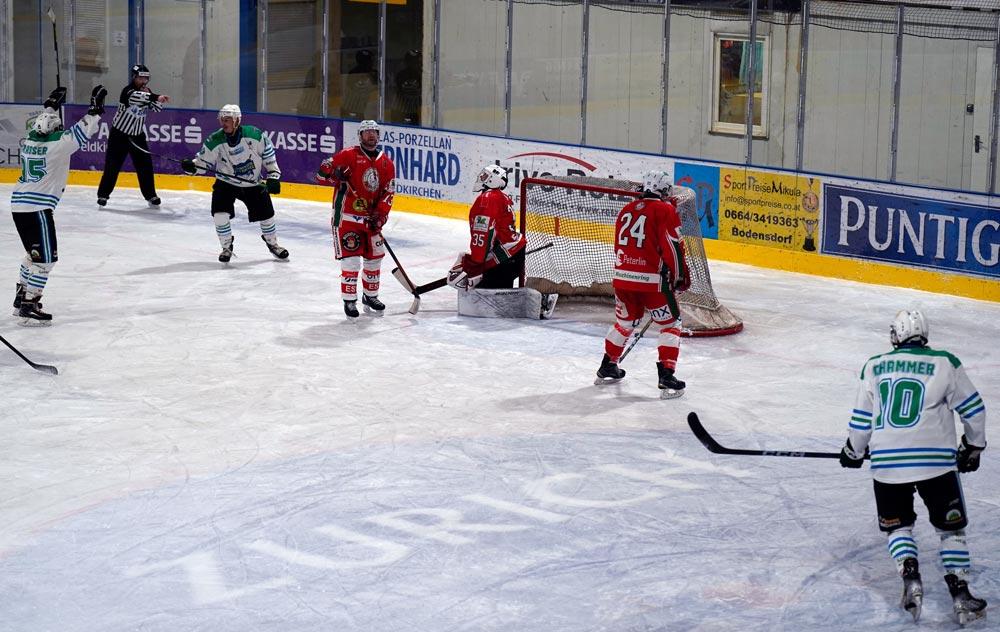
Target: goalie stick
(714, 446)
(44, 368)
(206, 169)
(443, 281)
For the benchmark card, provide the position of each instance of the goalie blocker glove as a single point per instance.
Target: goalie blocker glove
(97, 97)
(968, 456)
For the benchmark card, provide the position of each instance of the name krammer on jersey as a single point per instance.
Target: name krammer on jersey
(902, 413)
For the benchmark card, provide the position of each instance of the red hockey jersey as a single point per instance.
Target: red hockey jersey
(491, 224)
(365, 186)
(648, 247)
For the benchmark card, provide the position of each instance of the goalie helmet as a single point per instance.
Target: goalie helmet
(231, 111)
(907, 326)
(491, 177)
(46, 123)
(658, 182)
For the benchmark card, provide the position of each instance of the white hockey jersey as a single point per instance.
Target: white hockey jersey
(243, 159)
(903, 413)
(45, 165)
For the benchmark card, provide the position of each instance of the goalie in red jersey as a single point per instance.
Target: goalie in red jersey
(485, 275)
(365, 180)
(650, 267)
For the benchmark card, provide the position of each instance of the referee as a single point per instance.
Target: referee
(128, 127)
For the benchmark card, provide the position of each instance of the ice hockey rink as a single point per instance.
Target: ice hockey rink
(222, 451)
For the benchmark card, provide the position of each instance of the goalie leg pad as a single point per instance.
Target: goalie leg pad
(513, 303)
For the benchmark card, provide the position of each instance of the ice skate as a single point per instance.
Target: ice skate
(608, 373)
(351, 309)
(670, 386)
(154, 202)
(31, 313)
(372, 305)
(276, 250)
(967, 608)
(227, 251)
(18, 297)
(102, 201)
(913, 589)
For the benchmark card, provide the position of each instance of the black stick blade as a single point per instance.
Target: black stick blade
(706, 439)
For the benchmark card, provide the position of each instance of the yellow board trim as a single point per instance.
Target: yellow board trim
(760, 256)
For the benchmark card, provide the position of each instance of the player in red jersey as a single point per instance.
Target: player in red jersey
(650, 268)
(364, 178)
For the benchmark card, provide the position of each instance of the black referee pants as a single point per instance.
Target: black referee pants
(119, 148)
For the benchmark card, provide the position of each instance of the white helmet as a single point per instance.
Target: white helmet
(908, 325)
(658, 182)
(231, 111)
(368, 125)
(491, 177)
(46, 123)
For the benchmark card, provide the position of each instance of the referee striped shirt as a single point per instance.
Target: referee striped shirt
(130, 119)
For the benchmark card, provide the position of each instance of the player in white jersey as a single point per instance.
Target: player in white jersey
(904, 418)
(45, 154)
(236, 154)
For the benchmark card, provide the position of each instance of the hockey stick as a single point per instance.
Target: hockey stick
(44, 368)
(714, 446)
(433, 285)
(55, 43)
(635, 340)
(401, 276)
(205, 169)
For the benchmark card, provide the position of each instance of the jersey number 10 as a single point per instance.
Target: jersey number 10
(902, 401)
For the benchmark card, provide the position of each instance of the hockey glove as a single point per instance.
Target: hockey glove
(97, 96)
(466, 273)
(56, 98)
(968, 456)
(849, 458)
(273, 186)
(188, 167)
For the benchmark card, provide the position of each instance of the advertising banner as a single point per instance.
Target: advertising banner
(13, 121)
(704, 180)
(769, 209)
(301, 143)
(896, 228)
(443, 165)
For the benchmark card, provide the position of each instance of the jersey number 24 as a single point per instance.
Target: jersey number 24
(630, 229)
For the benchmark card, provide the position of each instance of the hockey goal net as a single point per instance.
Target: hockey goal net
(577, 215)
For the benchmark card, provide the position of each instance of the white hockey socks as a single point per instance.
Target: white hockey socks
(901, 546)
(24, 274)
(955, 556)
(38, 276)
(372, 277)
(270, 231)
(349, 269)
(223, 229)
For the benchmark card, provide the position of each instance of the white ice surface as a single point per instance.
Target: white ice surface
(222, 451)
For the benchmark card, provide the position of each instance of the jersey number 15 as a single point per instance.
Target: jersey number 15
(32, 169)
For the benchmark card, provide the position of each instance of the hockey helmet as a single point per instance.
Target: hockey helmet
(658, 182)
(909, 326)
(46, 123)
(491, 177)
(140, 70)
(367, 125)
(232, 111)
